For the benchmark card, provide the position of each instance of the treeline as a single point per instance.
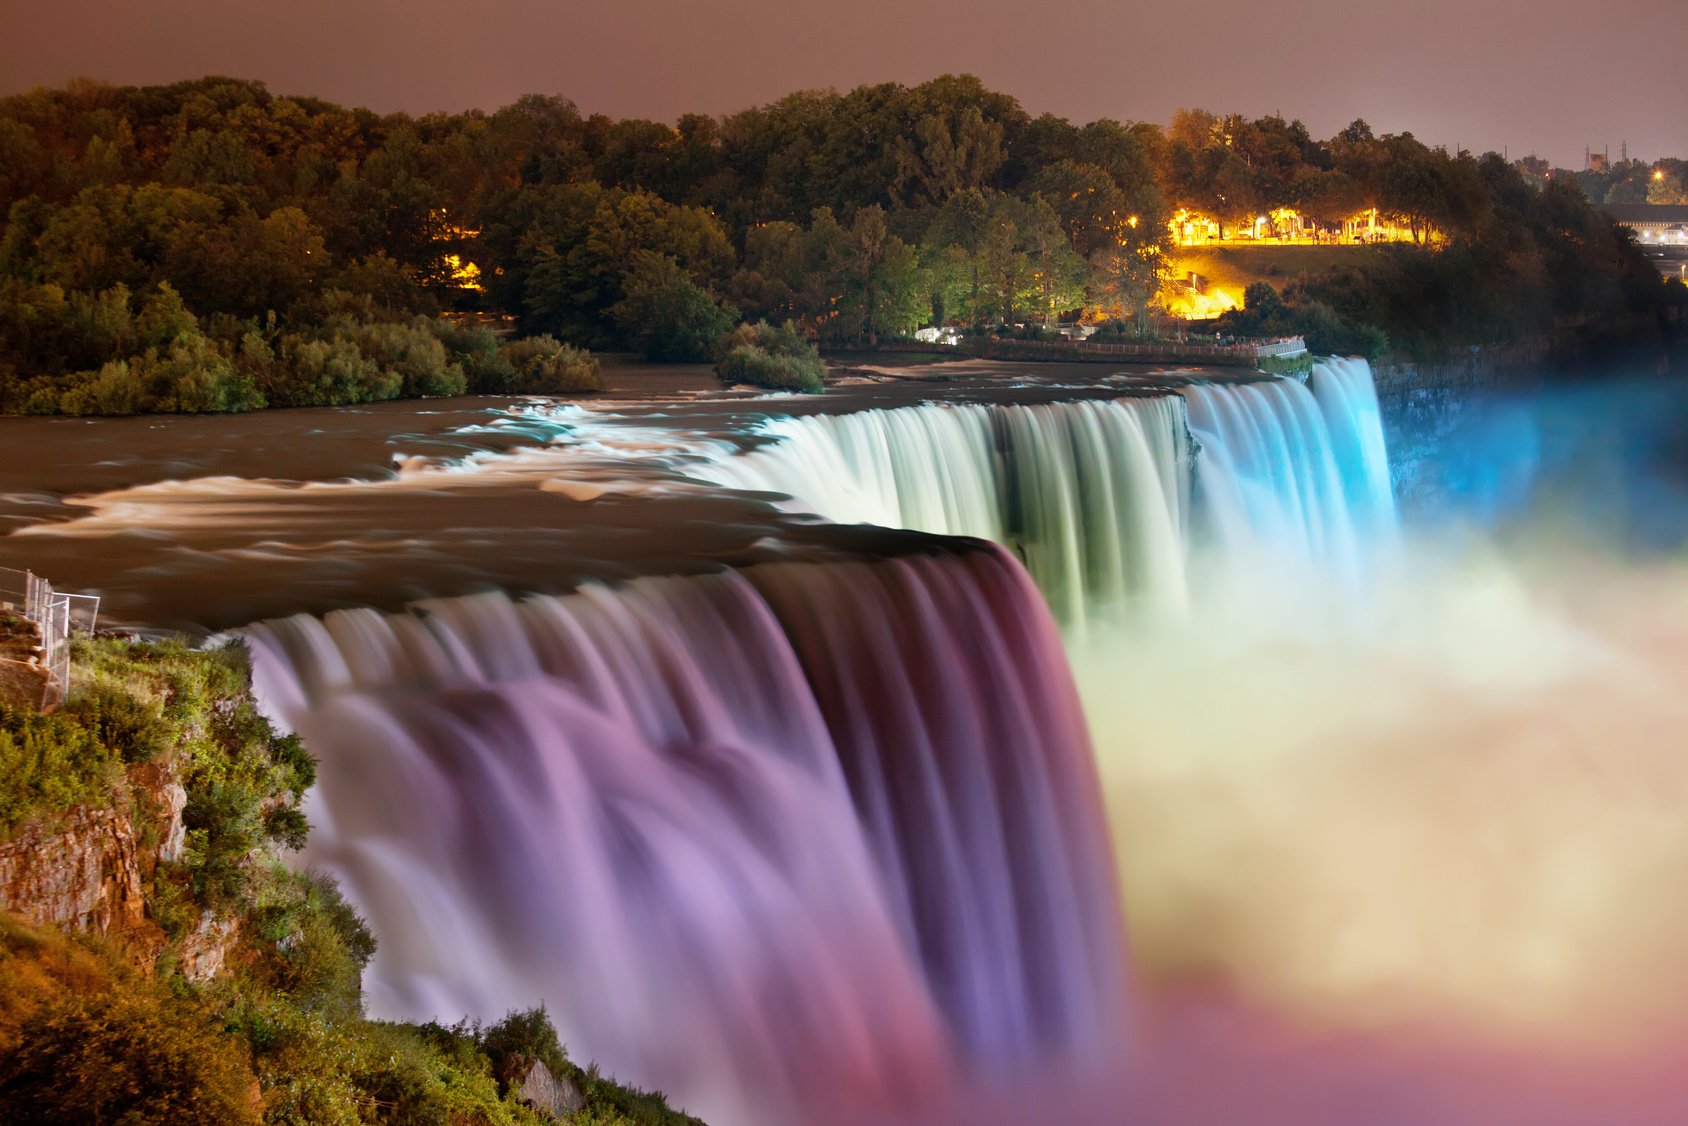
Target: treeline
(208, 245)
(1663, 181)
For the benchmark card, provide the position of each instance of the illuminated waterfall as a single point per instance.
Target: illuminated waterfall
(805, 834)
(810, 840)
(1096, 497)
(1091, 495)
(1292, 479)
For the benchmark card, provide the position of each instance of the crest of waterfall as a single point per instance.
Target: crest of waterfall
(1096, 496)
(1092, 495)
(804, 836)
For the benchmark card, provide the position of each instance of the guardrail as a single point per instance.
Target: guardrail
(1233, 353)
(1293, 346)
(57, 615)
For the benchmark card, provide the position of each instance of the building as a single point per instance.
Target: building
(1661, 230)
(1658, 223)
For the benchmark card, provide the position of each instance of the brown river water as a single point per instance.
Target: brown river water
(201, 523)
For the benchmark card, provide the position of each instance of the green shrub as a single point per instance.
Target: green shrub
(541, 365)
(130, 1056)
(50, 763)
(485, 367)
(667, 316)
(131, 724)
(766, 355)
(414, 353)
(752, 365)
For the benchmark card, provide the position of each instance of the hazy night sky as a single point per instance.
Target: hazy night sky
(1547, 76)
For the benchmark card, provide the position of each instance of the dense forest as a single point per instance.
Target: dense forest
(210, 246)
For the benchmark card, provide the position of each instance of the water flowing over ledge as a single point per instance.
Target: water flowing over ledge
(824, 834)
(1105, 500)
(795, 836)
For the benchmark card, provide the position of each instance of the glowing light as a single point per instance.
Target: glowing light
(464, 275)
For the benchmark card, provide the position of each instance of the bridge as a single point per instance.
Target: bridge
(1661, 230)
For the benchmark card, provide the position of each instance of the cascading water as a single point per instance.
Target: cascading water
(1091, 495)
(805, 841)
(1290, 479)
(820, 841)
(1096, 496)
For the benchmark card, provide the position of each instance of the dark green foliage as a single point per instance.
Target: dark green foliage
(668, 316)
(49, 764)
(529, 1035)
(768, 356)
(523, 1036)
(313, 947)
(206, 246)
(286, 828)
(540, 365)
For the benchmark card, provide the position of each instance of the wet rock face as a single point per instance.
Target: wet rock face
(79, 871)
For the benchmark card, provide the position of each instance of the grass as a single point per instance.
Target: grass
(1235, 268)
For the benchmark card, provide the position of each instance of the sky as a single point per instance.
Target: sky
(1521, 76)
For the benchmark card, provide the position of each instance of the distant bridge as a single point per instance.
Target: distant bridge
(1661, 230)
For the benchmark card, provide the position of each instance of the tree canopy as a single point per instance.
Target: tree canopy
(209, 245)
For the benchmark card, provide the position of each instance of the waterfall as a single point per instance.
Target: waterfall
(812, 841)
(806, 835)
(1091, 495)
(1096, 496)
(1292, 479)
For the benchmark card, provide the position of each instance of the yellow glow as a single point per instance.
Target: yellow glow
(466, 275)
(1182, 299)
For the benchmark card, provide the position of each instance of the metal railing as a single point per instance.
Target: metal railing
(57, 615)
(1290, 346)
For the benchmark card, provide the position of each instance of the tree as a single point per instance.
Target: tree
(944, 158)
(1127, 275)
(1058, 274)
(666, 315)
(1668, 188)
(883, 283)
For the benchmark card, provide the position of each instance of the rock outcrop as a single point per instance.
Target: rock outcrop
(205, 949)
(79, 871)
(85, 869)
(156, 788)
(554, 1095)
